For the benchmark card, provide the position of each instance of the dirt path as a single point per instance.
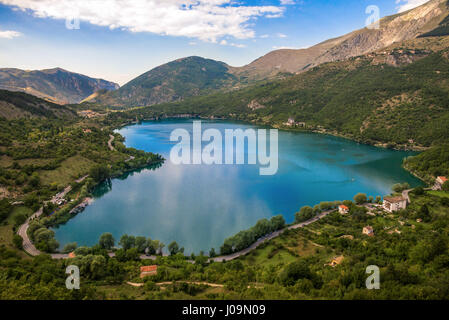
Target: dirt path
(214, 285)
(111, 138)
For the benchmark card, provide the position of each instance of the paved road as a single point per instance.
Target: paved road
(406, 196)
(236, 254)
(269, 237)
(28, 246)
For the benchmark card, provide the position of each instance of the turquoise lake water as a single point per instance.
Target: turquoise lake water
(200, 205)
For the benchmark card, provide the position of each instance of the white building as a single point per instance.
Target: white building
(392, 204)
(342, 209)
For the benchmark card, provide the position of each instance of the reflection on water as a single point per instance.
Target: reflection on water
(200, 205)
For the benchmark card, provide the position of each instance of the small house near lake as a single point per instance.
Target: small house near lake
(439, 181)
(342, 209)
(368, 230)
(392, 204)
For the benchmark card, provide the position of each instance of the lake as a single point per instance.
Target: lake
(201, 205)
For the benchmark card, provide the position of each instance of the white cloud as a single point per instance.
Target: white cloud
(287, 2)
(405, 5)
(9, 34)
(208, 20)
(226, 43)
(281, 35)
(264, 36)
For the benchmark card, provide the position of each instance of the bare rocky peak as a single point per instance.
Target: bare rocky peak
(396, 28)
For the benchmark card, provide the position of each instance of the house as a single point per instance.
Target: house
(290, 122)
(392, 204)
(368, 230)
(439, 182)
(72, 255)
(336, 261)
(148, 271)
(343, 209)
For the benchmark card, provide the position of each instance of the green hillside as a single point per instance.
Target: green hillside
(15, 105)
(380, 98)
(171, 82)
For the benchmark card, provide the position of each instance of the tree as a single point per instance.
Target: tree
(445, 186)
(69, 247)
(378, 199)
(141, 244)
(304, 214)
(17, 241)
(19, 219)
(106, 241)
(295, 271)
(277, 222)
(127, 242)
(99, 173)
(370, 199)
(360, 198)
(399, 187)
(158, 246)
(262, 228)
(5, 209)
(424, 213)
(173, 248)
(212, 253)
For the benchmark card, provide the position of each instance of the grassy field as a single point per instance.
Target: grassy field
(19, 210)
(439, 193)
(69, 170)
(6, 234)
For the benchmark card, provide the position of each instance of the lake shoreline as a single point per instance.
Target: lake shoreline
(286, 129)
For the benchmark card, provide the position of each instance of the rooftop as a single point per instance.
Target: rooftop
(148, 268)
(394, 199)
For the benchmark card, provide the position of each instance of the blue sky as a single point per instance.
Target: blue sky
(118, 40)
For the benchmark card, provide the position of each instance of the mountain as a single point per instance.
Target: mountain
(397, 97)
(173, 81)
(195, 76)
(55, 85)
(16, 105)
(429, 19)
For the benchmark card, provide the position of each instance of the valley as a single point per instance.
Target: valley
(87, 177)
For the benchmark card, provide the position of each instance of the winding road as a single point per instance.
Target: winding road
(27, 245)
(269, 237)
(111, 138)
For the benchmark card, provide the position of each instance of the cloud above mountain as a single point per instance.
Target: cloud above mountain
(207, 20)
(405, 5)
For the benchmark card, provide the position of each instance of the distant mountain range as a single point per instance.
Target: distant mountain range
(194, 76)
(15, 105)
(55, 85)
